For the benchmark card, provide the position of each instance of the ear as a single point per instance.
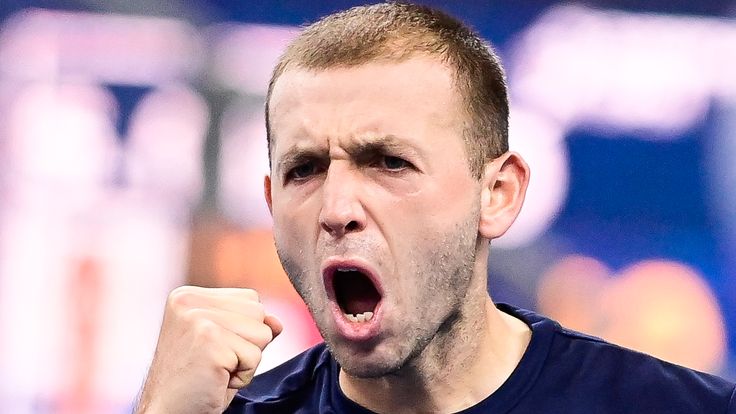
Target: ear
(267, 192)
(505, 180)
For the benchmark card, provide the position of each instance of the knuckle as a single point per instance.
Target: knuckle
(251, 358)
(206, 330)
(255, 358)
(190, 316)
(181, 297)
(263, 336)
(251, 294)
(257, 311)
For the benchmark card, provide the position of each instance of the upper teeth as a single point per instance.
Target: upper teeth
(360, 317)
(347, 269)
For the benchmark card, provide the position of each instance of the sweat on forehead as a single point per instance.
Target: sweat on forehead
(396, 32)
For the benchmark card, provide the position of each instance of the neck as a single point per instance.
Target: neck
(466, 362)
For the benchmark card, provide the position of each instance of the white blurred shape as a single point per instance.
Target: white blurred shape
(60, 152)
(243, 164)
(61, 137)
(34, 248)
(245, 55)
(45, 44)
(144, 254)
(541, 142)
(165, 144)
(623, 72)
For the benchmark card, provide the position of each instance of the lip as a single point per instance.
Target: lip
(352, 331)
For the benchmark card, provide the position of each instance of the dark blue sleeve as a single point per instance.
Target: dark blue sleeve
(297, 386)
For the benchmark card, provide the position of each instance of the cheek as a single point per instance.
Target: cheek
(428, 229)
(295, 220)
(438, 206)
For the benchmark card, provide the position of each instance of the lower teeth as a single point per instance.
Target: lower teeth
(360, 317)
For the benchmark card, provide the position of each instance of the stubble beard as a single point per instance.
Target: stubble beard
(443, 269)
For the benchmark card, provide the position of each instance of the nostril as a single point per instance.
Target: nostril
(351, 226)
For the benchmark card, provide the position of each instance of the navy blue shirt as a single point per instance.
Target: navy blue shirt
(561, 371)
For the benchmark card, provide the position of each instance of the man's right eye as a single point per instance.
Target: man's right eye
(302, 171)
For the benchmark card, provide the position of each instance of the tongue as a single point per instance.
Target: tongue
(359, 305)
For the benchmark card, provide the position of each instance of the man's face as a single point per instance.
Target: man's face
(375, 210)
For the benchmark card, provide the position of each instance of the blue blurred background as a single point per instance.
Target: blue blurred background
(132, 151)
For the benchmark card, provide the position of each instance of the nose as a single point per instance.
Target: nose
(342, 211)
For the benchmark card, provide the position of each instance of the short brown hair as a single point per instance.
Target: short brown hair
(398, 31)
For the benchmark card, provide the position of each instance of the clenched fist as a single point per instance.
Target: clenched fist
(209, 347)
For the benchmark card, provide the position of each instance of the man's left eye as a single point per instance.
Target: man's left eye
(395, 163)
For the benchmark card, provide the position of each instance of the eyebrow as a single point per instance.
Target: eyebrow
(297, 155)
(365, 149)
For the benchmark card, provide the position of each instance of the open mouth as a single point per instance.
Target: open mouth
(355, 293)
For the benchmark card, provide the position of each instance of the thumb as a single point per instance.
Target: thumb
(275, 324)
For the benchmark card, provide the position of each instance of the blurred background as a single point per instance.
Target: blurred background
(132, 151)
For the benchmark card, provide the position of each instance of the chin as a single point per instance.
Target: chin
(373, 363)
(363, 368)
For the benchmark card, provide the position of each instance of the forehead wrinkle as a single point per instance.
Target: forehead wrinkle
(372, 143)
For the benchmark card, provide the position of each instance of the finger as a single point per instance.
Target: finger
(243, 304)
(234, 355)
(275, 324)
(244, 326)
(248, 358)
(219, 291)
